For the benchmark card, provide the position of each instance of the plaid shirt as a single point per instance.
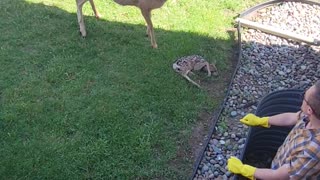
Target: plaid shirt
(300, 151)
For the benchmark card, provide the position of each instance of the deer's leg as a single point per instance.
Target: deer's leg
(190, 80)
(93, 6)
(185, 75)
(208, 69)
(147, 16)
(80, 17)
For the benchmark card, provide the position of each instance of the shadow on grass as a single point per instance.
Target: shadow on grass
(108, 106)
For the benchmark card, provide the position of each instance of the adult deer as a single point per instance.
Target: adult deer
(146, 6)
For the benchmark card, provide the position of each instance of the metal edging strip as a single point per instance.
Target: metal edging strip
(212, 127)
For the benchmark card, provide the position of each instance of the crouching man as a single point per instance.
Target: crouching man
(299, 155)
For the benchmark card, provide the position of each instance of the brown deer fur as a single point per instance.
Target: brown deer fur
(146, 6)
(187, 64)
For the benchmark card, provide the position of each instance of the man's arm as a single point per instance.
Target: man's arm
(237, 167)
(284, 119)
(270, 174)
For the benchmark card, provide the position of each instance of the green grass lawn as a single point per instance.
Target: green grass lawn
(108, 106)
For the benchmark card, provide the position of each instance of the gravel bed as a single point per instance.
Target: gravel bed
(268, 63)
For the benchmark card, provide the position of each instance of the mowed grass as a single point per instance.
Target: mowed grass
(107, 106)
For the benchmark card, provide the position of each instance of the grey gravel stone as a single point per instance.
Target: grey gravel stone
(233, 113)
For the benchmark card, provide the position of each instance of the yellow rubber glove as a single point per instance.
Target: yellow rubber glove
(235, 166)
(253, 120)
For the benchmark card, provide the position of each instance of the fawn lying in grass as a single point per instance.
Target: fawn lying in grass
(186, 64)
(146, 6)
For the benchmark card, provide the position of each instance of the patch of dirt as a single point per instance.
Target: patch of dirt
(200, 134)
(206, 120)
(216, 89)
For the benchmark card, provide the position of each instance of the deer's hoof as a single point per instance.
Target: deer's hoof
(154, 46)
(83, 34)
(98, 15)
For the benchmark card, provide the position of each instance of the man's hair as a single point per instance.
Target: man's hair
(315, 100)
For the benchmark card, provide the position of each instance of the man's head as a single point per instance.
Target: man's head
(311, 101)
